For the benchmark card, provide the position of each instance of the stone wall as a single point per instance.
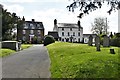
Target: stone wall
(14, 45)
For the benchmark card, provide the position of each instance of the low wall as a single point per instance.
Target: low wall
(14, 45)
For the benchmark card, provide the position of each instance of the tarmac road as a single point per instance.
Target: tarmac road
(33, 62)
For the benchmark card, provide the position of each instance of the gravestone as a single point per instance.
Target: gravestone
(112, 51)
(98, 47)
(90, 40)
(97, 40)
(106, 41)
(97, 43)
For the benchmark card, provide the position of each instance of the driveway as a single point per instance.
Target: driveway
(33, 62)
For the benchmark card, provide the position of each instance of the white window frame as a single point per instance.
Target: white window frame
(63, 34)
(31, 31)
(32, 26)
(78, 33)
(24, 31)
(39, 31)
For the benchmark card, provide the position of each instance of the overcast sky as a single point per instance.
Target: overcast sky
(48, 10)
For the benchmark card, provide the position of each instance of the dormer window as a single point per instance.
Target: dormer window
(32, 27)
(38, 26)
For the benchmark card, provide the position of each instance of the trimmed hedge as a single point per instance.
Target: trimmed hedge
(115, 42)
(48, 40)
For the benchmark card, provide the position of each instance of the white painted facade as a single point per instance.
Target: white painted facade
(69, 32)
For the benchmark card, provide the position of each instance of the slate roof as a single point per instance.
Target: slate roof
(35, 24)
(53, 33)
(67, 25)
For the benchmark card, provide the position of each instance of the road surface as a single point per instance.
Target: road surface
(33, 62)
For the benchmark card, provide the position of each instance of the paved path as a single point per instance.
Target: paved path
(33, 62)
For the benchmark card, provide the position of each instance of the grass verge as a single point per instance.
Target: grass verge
(71, 60)
(6, 52)
(25, 46)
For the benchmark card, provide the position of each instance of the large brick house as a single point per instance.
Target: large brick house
(31, 32)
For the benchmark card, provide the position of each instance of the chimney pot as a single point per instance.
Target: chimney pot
(33, 20)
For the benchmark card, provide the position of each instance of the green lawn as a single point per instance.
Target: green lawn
(71, 60)
(25, 46)
(6, 52)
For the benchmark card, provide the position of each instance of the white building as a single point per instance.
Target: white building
(69, 32)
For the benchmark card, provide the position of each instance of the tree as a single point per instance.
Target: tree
(9, 22)
(87, 6)
(99, 26)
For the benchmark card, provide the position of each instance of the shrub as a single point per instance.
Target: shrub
(48, 40)
(115, 41)
(101, 38)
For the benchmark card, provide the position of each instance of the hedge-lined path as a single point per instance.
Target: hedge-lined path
(33, 62)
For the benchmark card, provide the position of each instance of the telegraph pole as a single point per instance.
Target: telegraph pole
(106, 26)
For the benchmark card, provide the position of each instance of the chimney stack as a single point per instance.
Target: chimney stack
(33, 20)
(55, 22)
(79, 24)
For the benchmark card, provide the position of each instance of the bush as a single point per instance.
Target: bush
(115, 41)
(101, 38)
(48, 40)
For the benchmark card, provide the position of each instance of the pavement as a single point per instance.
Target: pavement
(33, 62)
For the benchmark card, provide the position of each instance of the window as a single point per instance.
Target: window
(62, 33)
(86, 40)
(39, 32)
(32, 27)
(24, 32)
(78, 33)
(70, 29)
(39, 37)
(62, 29)
(24, 38)
(68, 34)
(78, 39)
(73, 33)
(38, 26)
(31, 31)
(62, 39)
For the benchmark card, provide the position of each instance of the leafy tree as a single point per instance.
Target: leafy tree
(9, 22)
(99, 26)
(87, 6)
